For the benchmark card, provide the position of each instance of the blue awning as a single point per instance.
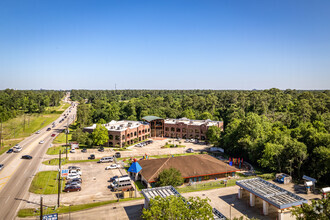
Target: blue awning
(135, 168)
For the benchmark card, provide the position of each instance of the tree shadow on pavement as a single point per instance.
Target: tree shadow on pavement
(134, 212)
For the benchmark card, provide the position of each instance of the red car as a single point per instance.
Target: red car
(53, 135)
(72, 188)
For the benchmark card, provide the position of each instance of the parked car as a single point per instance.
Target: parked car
(112, 166)
(48, 129)
(101, 149)
(72, 176)
(113, 178)
(91, 157)
(41, 142)
(72, 188)
(53, 135)
(38, 132)
(78, 172)
(190, 150)
(117, 155)
(72, 151)
(72, 183)
(2, 166)
(106, 160)
(84, 150)
(78, 179)
(28, 157)
(73, 168)
(10, 151)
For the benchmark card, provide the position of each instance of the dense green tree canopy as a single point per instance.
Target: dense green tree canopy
(170, 177)
(100, 135)
(174, 207)
(279, 130)
(16, 102)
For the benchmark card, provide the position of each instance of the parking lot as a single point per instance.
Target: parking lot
(94, 187)
(150, 149)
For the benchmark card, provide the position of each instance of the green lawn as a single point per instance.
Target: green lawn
(66, 209)
(58, 109)
(8, 144)
(55, 150)
(139, 185)
(61, 138)
(14, 128)
(206, 186)
(64, 161)
(45, 182)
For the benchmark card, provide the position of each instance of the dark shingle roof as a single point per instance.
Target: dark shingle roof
(189, 166)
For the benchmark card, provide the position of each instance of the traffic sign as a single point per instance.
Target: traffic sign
(50, 217)
(64, 172)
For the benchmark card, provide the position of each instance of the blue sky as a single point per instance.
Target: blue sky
(165, 44)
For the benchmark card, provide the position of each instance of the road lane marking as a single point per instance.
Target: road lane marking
(7, 199)
(5, 177)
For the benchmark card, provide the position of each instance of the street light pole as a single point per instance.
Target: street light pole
(59, 180)
(41, 209)
(66, 145)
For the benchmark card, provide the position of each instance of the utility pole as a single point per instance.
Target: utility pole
(66, 145)
(1, 135)
(59, 179)
(41, 209)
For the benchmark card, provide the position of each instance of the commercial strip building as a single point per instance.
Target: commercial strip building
(123, 133)
(166, 191)
(271, 197)
(193, 168)
(180, 128)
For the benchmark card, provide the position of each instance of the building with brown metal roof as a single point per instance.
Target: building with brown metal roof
(193, 168)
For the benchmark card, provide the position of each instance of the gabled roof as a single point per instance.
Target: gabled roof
(189, 166)
(150, 118)
(135, 168)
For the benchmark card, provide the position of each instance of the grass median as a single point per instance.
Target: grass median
(55, 161)
(66, 209)
(45, 182)
(56, 149)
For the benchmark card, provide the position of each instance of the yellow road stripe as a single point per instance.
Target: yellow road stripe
(5, 177)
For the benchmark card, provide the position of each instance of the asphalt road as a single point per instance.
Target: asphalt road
(16, 177)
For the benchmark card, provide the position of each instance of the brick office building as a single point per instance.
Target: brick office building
(123, 133)
(180, 128)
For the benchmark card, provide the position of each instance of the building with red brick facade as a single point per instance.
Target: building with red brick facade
(123, 133)
(180, 128)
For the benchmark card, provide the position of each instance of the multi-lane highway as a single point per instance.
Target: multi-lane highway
(17, 175)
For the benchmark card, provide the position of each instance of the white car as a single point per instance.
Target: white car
(38, 132)
(77, 172)
(71, 176)
(17, 149)
(72, 151)
(112, 166)
(41, 142)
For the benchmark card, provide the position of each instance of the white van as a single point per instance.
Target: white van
(120, 180)
(106, 160)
